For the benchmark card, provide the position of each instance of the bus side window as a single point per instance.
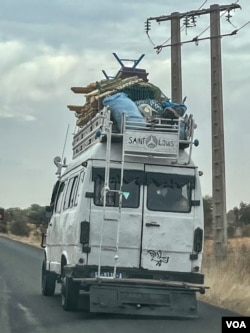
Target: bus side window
(68, 201)
(73, 191)
(78, 188)
(59, 198)
(54, 193)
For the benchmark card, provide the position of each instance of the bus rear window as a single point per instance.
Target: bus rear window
(169, 193)
(130, 189)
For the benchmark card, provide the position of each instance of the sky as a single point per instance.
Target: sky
(47, 47)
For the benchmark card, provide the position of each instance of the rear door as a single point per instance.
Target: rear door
(167, 231)
(112, 229)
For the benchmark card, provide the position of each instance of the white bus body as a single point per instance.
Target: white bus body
(129, 248)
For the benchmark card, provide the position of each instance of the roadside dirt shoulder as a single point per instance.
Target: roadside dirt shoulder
(26, 240)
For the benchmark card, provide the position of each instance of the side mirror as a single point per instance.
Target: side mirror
(43, 240)
(48, 211)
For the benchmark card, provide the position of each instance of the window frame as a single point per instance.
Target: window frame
(173, 182)
(69, 195)
(78, 187)
(98, 175)
(59, 197)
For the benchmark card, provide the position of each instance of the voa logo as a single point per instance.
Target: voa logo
(235, 324)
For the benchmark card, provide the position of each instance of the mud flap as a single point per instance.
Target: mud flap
(137, 300)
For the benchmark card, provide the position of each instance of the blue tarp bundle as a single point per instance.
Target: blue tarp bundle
(120, 103)
(175, 110)
(179, 109)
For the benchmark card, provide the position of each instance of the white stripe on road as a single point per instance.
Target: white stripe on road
(30, 318)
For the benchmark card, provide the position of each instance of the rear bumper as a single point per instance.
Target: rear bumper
(137, 297)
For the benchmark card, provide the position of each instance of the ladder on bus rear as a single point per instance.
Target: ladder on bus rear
(107, 126)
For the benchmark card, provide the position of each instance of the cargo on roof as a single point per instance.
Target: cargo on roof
(136, 89)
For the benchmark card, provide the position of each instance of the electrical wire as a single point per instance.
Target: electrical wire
(202, 4)
(243, 25)
(150, 39)
(197, 39)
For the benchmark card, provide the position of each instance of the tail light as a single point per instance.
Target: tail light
(198, 240)
(198, 243)
(84, 236)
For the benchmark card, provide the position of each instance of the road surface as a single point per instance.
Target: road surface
(24, 309)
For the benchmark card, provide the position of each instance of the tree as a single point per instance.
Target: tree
(36, 214)
(244, 214)
(239, 219)
(232, 221)
(17, 219)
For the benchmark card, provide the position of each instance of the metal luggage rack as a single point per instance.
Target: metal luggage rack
(88, 134)
(97, 128)
(162, 125)
(165, 125)
(158, 137)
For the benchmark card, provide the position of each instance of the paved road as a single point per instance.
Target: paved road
(24, 309)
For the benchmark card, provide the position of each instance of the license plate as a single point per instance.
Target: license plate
(109, 275)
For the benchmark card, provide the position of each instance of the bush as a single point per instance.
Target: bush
(19, 228)
(246, 231)
(230, 231)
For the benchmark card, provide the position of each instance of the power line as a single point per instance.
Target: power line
(228, 20)
(244, 25)
(197, 39)
(147, 27)
(192, 15)
(202, 4)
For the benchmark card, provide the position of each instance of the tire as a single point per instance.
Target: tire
(69, 294)
(48, 282)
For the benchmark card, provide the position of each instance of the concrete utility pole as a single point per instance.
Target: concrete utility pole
(218, 155)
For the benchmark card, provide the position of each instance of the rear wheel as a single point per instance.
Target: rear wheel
(69, 294)
(48, 282)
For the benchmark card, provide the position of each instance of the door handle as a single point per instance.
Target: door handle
(152, 224)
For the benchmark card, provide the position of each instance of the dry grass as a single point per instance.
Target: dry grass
(229, 279)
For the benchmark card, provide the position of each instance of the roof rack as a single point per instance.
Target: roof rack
(157, 138)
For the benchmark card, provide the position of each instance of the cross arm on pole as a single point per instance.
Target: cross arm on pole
(194, 13)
